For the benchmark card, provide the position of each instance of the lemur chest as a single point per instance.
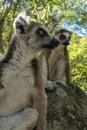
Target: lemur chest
(18, 81)
(18, 90)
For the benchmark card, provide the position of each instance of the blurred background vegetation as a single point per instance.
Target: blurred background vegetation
(54, 14)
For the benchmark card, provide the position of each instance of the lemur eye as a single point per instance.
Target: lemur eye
(62, 36)
(41, 32)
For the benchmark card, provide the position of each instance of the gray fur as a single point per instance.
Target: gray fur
(58, 59)
(22, 70)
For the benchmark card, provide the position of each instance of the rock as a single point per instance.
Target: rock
(67, 109)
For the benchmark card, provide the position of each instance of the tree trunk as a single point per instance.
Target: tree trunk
(67, 110)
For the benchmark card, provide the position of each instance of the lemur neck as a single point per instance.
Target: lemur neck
(19, 54)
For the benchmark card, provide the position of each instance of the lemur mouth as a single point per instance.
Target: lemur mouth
(66, 43)
(54, 43)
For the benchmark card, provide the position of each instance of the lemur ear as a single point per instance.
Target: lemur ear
(21, 23)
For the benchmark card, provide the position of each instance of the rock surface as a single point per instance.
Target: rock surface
(67, 109)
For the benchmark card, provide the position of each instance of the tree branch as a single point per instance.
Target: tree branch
(55, 23)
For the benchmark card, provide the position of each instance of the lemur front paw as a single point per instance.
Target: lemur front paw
(71, 85)
(50, 86)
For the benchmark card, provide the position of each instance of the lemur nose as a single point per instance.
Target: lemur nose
(54, 43)
(66, 42)
(51, 45)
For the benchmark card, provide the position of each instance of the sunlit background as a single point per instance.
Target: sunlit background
(54, 14)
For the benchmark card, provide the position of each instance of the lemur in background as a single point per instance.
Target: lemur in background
(58, 58)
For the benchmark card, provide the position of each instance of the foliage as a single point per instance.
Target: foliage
(78, 56)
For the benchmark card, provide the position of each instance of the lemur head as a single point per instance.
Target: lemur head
(35, 35)
(63, 36)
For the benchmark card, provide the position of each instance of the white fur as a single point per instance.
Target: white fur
(66, 34)
(26, 18)
(18, 81)
(23, 85)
